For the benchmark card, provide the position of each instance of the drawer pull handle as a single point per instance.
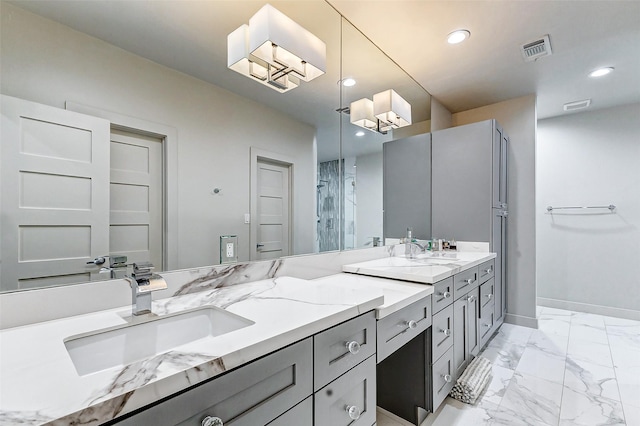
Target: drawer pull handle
(471, 298)
(353, 412)
(489, 296)
(469, 281)
(487, 325)
(447, 378)
(446, 332)
(212, 421)
(412, 324)
(353, 347)
(487, 271)
(445, 295)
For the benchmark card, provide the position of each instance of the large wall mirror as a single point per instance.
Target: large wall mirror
(150, 61)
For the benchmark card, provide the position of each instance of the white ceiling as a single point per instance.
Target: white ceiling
(489, 68)
(190, 36)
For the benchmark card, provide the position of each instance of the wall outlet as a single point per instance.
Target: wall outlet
(228, 248)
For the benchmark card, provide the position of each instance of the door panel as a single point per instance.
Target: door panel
(136, 198)
(273, 210)
(55, 195)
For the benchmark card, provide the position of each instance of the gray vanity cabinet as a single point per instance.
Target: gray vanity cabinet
(255, 394)
(465, 330)
(397, 329)
(300, 415)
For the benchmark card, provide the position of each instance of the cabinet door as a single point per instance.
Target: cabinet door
(357, 389)
(253, 394)
(300, 415)
(473, 325)
(442, 295)
(460, 336)
(442, 379)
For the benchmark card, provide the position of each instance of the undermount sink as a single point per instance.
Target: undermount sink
(123, 345)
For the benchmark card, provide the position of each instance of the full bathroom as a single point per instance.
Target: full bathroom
(192, 234)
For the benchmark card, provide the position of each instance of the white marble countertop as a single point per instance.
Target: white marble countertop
(39, 383)
(397, 294)
(428, 268)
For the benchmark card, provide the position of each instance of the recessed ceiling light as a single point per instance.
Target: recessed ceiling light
(348, 82)
(360, 133)
(458, 36)
(601, 71)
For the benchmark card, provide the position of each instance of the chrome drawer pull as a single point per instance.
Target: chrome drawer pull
(353, 412)
(353, 347)
(487, 271)
(212, 421)
(489, 296)
(446, 332)
(446, 377)
(445, 295)
(412, 324)
(487, 325)
(469, 281)
(471, 298)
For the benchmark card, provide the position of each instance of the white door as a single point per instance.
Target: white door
(273, 210)
(136, 198)
(54, 195)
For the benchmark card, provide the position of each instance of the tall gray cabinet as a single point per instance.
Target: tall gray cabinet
(469, 193)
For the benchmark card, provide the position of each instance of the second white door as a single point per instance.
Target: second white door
(273, 210)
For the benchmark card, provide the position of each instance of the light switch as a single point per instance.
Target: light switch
(247, 218)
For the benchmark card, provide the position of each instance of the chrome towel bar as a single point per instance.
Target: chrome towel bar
(611, 208)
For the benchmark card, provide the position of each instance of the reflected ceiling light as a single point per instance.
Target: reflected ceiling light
(348, 82)
(276, 51)
(458, 36)
(387, 111)
(359, 134)
(361, 112)
(601, 72)
(391, 109)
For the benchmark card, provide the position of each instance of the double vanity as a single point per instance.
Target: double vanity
(277, 351)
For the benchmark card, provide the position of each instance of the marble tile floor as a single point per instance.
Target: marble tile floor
(577, 369)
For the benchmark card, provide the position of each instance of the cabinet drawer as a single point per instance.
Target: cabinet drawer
(486, 270)
(487, 293)
(342, 347)
(441, 332)
(442, 295)
(487, 318)
(395, 330)
(464, 282)
(300, 415)
(253, 394)
(357, 388)
(443, 378)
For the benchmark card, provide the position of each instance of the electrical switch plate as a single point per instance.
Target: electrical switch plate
(228, 249)
(247, 218)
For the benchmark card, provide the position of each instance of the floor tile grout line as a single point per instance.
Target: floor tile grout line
(615, 373)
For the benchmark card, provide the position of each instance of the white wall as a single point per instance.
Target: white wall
(518, 117)
(441, 117)
(46, 62)
(369, 190)
(590, 158)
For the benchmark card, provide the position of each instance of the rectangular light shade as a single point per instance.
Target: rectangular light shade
(297, 47)
(361, 114)
(391, 109)
(238, 60)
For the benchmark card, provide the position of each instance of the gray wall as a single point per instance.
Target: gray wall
(589, 260)
(518, 117)
(49, 63)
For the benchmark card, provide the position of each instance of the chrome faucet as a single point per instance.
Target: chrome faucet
(409, 242)
(143, 282)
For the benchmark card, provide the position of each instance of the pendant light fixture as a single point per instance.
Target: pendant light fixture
(276, 51)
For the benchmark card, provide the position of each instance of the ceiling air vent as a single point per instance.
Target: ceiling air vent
(572, 106)
(536, 49)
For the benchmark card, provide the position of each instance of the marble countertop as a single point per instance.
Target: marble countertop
(397, 294)
(428, 268)
(40, 384)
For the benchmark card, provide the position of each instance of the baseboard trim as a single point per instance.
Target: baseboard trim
(521, 320)
(589, 309)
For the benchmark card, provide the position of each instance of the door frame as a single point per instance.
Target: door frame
(257, 154)
(169, 137)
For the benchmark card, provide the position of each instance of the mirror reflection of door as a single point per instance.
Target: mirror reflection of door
(273, 204)
(55, 195)
(136, 205)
